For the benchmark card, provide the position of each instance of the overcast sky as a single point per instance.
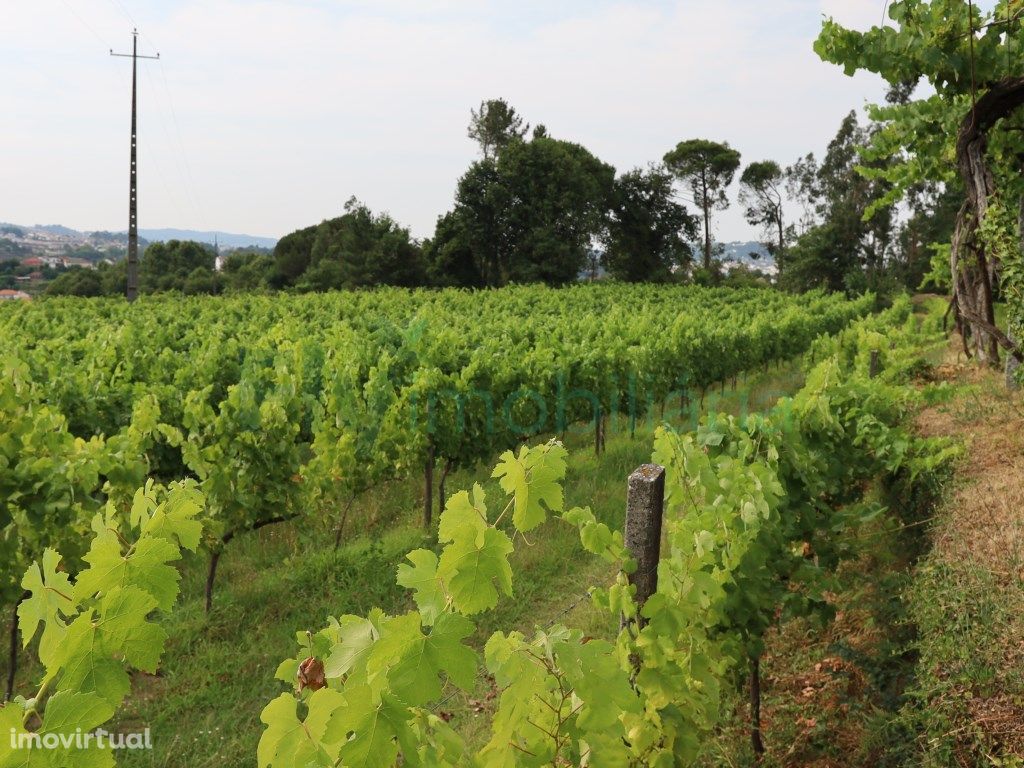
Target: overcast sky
(265, 116)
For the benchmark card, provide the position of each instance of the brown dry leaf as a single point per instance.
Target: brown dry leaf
(311, 675)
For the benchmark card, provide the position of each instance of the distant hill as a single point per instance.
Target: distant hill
(55, 229)
(225, 239)
(55, 235)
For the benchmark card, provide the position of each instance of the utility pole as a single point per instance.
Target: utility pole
(132, 291)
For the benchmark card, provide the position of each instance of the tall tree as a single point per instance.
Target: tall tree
(647, 229)
(927, 233)
(761, 188)
(707, 168)
(466, 247)
(529, 215)
(840, 248)
(800, 179)
(76, 282)
(552, 197)
(496, 125)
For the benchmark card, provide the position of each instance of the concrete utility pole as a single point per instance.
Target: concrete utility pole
(132, 291)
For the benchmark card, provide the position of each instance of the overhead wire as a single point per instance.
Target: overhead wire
(192, 188)
(85, 23)
(152, 156)
(176, 145)
(188, 178)
(124, 11)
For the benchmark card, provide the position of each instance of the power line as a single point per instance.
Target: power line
(84, 22)
(193, 189)
(124, 11)
(187, 177)
(154, 157)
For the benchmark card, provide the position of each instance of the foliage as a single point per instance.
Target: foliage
(94, 630)
(745, 502)
(184, 266)
(527, 216)
(76, 282)
(963, 53)
(293, 254)
(761, 188)
(355, 250)
(52, 481)
(281, 405)
(247, 271)
(744, 498)
(840, 245)
(175, 265)
(706, 168)
(450, 258)
(495, 125)
(647, 229)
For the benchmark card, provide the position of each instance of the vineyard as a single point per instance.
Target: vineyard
(608, 445)
(135, 435)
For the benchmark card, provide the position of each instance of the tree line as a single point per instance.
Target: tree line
(537, 209)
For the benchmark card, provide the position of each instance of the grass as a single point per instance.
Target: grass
(967, 597)
(218, 670)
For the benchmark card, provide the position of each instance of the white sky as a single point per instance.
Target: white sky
(266, 115)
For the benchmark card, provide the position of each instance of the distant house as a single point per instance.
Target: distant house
(9, 295)
(34, 261)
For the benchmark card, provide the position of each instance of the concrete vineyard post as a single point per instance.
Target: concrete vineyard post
(645, 507)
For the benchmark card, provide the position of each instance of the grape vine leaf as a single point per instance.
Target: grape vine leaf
(534, 480)
(599, 681)
(292, 743)
(371, 729)
(145, 565)
(358, 636)
(421, 577)
(175, 518)
(475, 567)
(68, 713)
(462, 514)
(415, 660)
(125, 630)
(85, 666)
(51, 597)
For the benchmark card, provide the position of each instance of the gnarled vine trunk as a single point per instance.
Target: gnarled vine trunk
(975, 271)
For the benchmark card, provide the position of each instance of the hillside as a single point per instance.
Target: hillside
(53, 239)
